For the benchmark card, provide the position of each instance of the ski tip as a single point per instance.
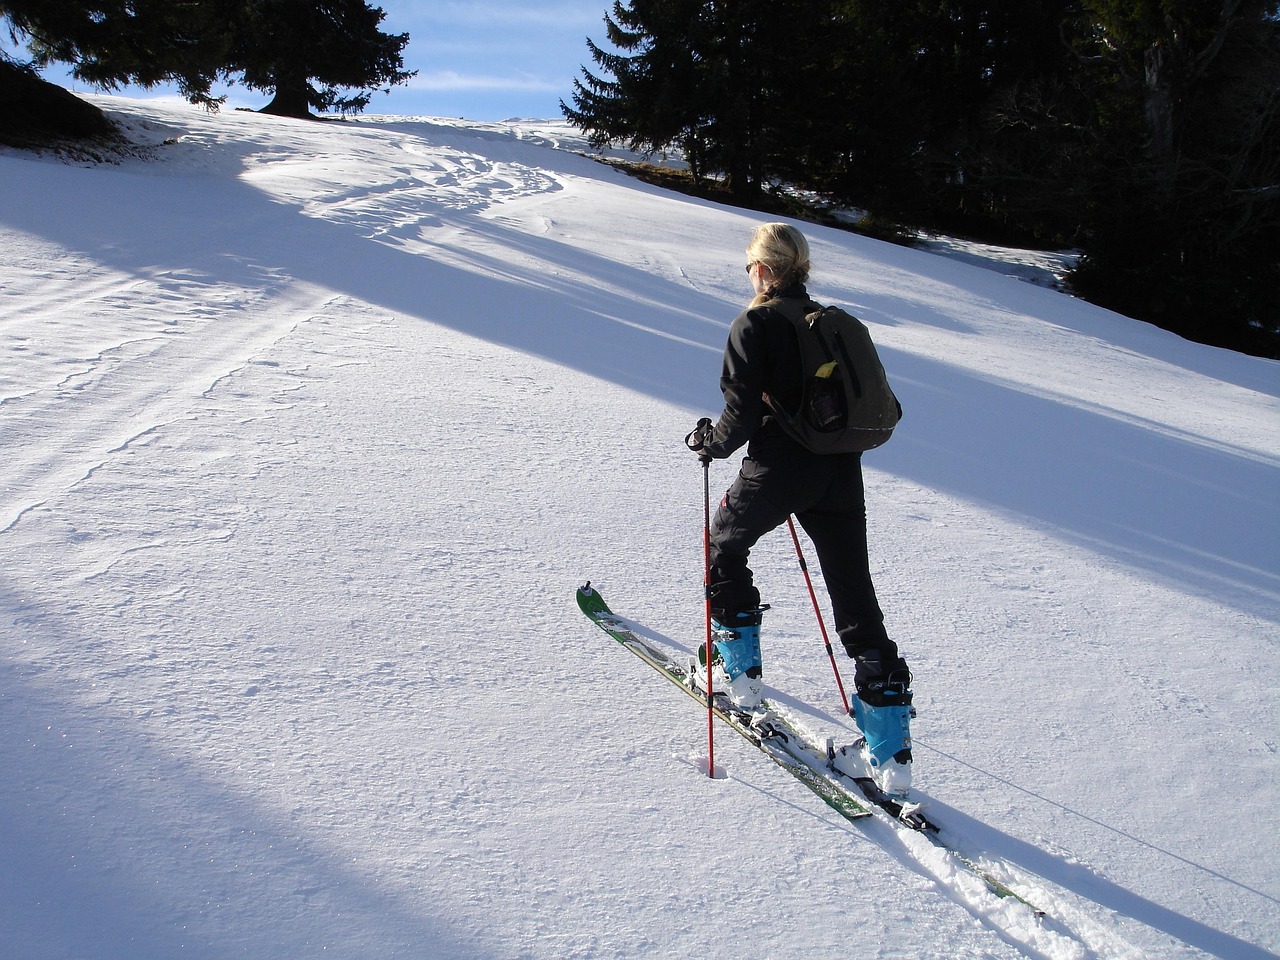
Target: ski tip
(590, 602)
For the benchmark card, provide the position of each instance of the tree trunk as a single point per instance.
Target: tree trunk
(292, 99)
(1160, 104)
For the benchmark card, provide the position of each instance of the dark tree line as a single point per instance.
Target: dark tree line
(309, 55)
(1146, 132)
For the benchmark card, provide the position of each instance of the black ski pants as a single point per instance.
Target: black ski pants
(826, 495)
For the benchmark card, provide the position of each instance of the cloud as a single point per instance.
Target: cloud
(452, 80)
(566, 15)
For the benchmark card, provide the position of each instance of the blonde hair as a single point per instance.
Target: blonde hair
(784, 250)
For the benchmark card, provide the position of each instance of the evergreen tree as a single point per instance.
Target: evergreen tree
(304, 52)
(870, 101)
(912, 99)
(654, 95)
(695, 74)
(1185, 231)
(114, 42)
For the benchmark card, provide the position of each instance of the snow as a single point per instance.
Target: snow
(309, 431)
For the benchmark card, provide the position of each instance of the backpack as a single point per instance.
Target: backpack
(846, 403)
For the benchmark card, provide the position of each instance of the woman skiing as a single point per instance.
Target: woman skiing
(780, 477)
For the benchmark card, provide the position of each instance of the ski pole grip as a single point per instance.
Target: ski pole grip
(704, 432)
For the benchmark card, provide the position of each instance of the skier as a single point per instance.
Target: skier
(780, 477)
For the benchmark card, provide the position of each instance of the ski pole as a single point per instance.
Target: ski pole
(822, 627)
(706, 584)
(704, 432)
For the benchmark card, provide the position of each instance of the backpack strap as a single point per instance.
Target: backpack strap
(794, 309)
(798, 312)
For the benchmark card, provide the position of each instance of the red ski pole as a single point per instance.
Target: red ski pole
(706, 589)
(804, 567)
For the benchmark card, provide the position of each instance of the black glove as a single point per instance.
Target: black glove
(698, 437)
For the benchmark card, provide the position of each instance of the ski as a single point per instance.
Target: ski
(773, 740)
(770, 731)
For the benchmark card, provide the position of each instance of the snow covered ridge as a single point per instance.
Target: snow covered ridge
(309, 431)
(1047, 268)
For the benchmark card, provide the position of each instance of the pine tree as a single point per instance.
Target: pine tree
(304, 52)
(114, 42)
(694, 74)
(1189, 95)
(651, 96)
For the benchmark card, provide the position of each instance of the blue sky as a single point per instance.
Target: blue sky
(492, 59)
(483, 60)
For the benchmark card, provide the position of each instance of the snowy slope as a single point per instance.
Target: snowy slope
(307, 434)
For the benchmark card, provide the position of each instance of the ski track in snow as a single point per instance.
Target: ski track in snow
(308, 433)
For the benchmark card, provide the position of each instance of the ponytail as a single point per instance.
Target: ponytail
(784, 250)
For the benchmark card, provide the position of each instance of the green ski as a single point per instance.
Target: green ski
(776, 739)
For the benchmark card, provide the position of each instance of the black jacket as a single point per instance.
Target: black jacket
(762, 356)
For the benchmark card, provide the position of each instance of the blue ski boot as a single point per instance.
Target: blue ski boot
(736, 668)
(882, 710)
